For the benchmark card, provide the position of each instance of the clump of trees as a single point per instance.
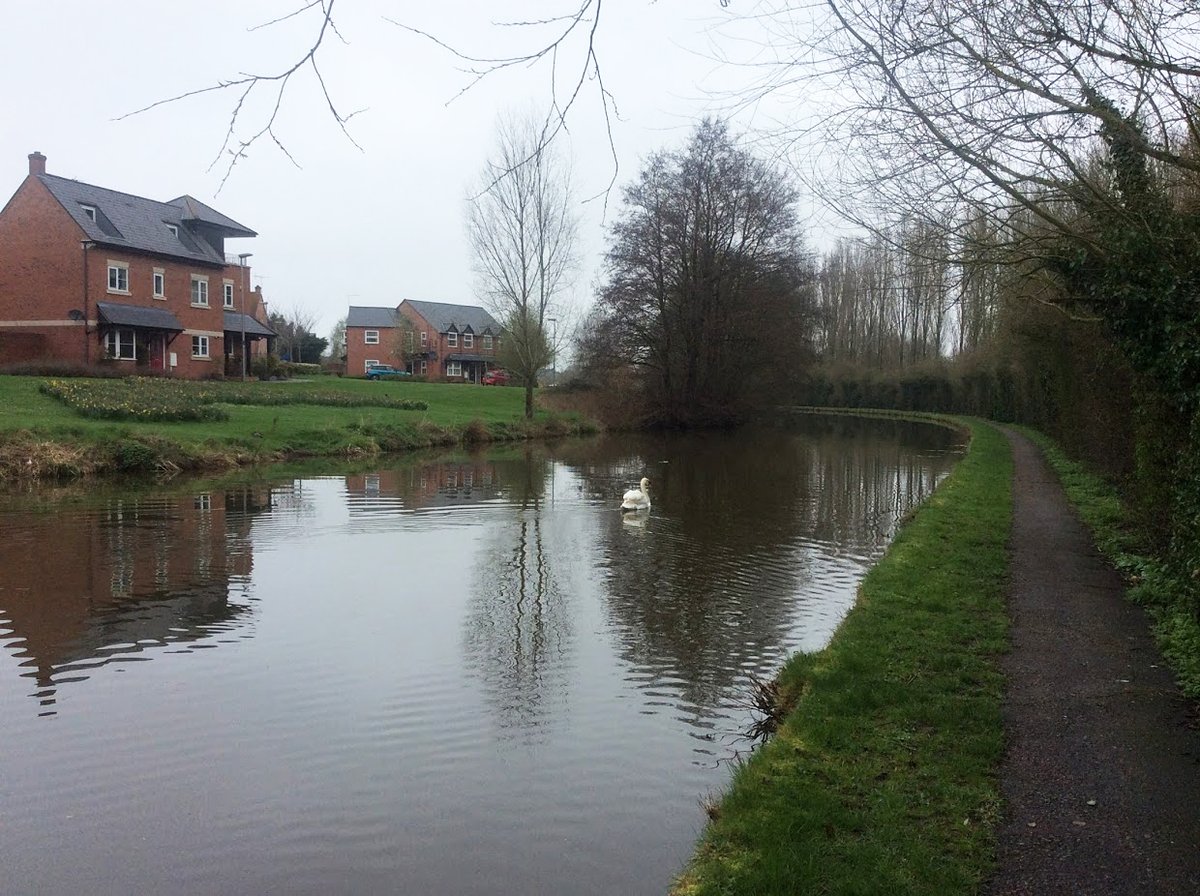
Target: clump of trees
(296, 340)
(708, 284)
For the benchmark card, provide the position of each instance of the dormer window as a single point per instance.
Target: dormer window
(89, 212)
(468, 340)
(174, 230)
(452, 339)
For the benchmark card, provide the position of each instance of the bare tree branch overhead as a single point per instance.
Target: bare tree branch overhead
(975, 105)
(234, 147)
(563, 44)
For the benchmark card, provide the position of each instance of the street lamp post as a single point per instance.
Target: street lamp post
(242, 260)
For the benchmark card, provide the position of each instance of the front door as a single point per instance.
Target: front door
(157, 351)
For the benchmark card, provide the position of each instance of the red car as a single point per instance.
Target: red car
(495, 377)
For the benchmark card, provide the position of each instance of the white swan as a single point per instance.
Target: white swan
(637, 498)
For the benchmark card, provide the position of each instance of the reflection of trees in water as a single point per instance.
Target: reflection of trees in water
(517, 630)
(84, 586)
(709, 592)
(866, 474)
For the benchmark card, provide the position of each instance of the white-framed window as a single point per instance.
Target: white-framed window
(371, 337)
(160, 283)
(453, 368)
(199, 290)
(227, 289)
(452, 339)
(487, 341)
(424, 337)
(118, 277)
(202, 502)
(424, 365)
(174, 230)
(409, 339)
(468, 340)
(369, 363)
(89, 211)
(120, 344)
(199, 346)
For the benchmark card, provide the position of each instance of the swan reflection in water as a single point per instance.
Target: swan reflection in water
(636, 521)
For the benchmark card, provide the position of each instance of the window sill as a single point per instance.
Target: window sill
(159, 298)
(199, 305)
(119, 292)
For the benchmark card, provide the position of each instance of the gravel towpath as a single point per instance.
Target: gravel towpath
(1101, 774)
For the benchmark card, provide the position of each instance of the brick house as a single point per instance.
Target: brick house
(89, 274)
(432, 339)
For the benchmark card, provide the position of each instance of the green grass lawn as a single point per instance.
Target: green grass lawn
(454, 412)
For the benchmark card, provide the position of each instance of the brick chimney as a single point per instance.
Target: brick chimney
(37, 163)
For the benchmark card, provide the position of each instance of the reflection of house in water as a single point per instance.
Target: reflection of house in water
(443, 484)
(82, 587)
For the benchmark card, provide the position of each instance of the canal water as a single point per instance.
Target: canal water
(464, 674)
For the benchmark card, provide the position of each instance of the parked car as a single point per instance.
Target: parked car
(384, 372)
(496, 377)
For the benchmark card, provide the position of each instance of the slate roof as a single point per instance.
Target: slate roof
(443, 317)
(368, 316)
(137, 316)
(254, 327)
(133, 222)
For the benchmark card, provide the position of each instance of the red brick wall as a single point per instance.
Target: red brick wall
(358, 352)
(41, 273)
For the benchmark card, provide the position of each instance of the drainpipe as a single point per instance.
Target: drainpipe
(87, 343)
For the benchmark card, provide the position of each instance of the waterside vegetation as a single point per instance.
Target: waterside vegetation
(881, 778)
(63, 428)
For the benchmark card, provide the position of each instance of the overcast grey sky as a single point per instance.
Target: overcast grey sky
(348, 226)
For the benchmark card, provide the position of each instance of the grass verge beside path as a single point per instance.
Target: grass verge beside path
(882, 778)
(1176, 628)
(43, 437)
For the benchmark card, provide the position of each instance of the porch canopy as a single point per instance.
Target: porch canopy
(138, 318)
(236, 323)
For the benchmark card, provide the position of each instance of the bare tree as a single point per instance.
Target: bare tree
(523, 230)
(972, 104)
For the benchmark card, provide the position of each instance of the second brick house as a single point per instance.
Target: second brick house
(432, 339)
(91, 275)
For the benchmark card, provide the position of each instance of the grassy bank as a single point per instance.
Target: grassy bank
(75, 434)
(1175, 625)
(880, 780)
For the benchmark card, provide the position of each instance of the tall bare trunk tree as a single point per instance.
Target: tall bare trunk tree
(523, 231)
